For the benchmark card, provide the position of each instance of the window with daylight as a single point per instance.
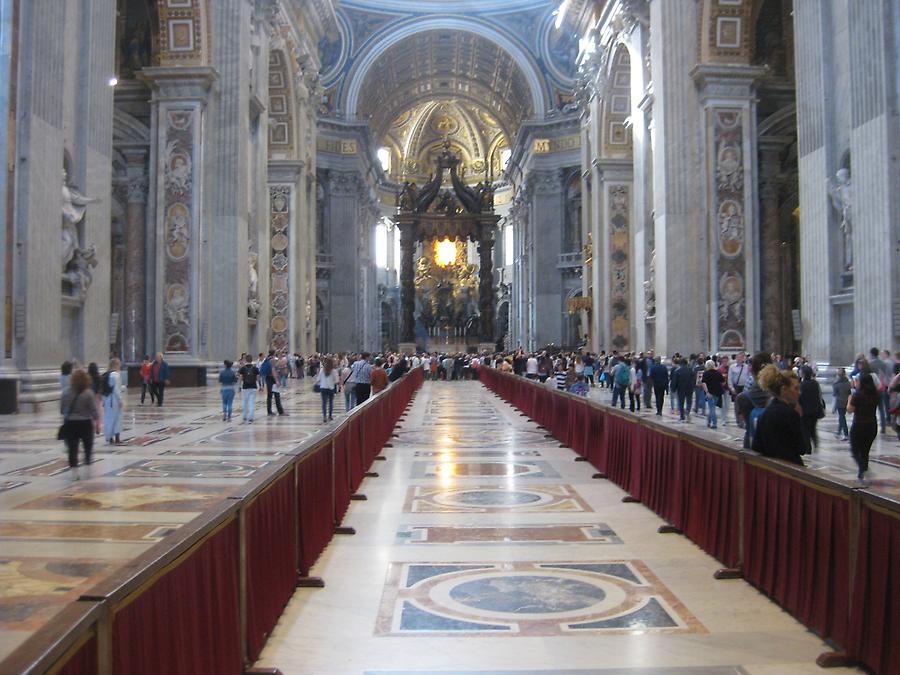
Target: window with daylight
(508, 253)
(384, 156)
(381, 246)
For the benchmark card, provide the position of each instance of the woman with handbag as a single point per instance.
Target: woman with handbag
(326, 384)
(80, 418)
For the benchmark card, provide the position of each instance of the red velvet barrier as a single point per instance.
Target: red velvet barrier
(656, 472)
(620, 438)
(83, 661)
(315, 491)
(874, 633)
(796, 547)
(559, 419)
(187, 619)
(578, 420)
(270, 550)
(708, 501)
(596, 450)
(355, 449)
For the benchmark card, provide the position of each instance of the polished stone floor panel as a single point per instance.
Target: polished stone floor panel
(454, 571)
(59, 537)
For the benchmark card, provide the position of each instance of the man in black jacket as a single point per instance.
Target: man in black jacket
(659, 374)
(683, 386)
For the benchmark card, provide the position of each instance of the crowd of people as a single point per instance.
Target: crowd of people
(777, 402)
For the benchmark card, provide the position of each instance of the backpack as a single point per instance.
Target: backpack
(752, 419)
(105, 384)
(623, 377)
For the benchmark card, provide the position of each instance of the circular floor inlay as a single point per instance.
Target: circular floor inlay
(495, 498)
(527, 594)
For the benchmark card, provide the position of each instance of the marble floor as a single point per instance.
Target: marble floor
(59, 537)
(485, 548)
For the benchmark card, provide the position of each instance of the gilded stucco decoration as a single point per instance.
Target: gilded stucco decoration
(619, 204)
(182, 32)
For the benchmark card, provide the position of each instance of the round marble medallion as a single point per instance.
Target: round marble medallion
(527, 594)
(491, 498)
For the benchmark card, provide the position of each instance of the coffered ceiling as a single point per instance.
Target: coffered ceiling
(444, 65)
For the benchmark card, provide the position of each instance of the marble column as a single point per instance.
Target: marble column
(547, 213)
(486, 302)
(727, 95)
(774, 311)
(134, 320)
(178, 107)
(407, 283)
(680, 234)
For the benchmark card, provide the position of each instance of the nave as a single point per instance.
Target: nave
(484, 547)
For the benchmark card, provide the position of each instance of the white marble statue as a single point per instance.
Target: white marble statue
(74, 205)
(841, 191)
(78, 271)
(253, 304)
(650, 289)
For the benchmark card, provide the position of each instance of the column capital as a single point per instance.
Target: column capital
(179, 83)
(285, 170)
(727, 81)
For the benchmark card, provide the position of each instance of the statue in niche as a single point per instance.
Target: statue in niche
(841, 191)
(135, 51)
(78, 273)
(253, 304)
(650, 289)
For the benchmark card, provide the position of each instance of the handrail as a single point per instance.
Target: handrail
(89, 616)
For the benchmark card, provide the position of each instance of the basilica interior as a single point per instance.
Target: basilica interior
(331, 177)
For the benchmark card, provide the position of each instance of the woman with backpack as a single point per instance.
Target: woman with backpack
(779, 431)
(112, 403)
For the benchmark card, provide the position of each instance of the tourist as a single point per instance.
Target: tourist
(621, 377)
(145, 380)
(779, 431)
(559, 376)
(683, 385)
(881, 369)
(111, 392)
(65, 372)
(81, 419)
(588, 369)
(659, 376)
(863, 404)
(159, 378)
(401, 367)
(580, 387)
(378, 378)
(326, 381)
(348, 387)
(531, 367)
(811, 405)
(249, 374)
(361, 377)
(636, 372)
(894, 392)
(752, 402)
(738, 375)
(713, 385)
(840, 393)
(227, 381)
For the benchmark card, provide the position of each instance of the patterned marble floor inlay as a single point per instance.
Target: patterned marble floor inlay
(33, 589)
(529, 599)
(41, 530)
(96, 495)
(597, 533)
(10, 485)
(450, 455)
(453, 436)
(494, 499)
(455, 469)
(668, 670)
(194, 468)
(52, 467)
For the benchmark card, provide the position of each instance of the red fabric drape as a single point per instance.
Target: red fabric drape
(83, 661)
(315, 490)
(578, 415)
(354, 452)
(596, 439)
(655, 472)
(709, 501)
(188, 620)
(874, 633)
(271, 558)
(620, 435)
(796, 548)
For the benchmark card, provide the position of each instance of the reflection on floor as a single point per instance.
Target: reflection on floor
(59, 537)
(473, 557)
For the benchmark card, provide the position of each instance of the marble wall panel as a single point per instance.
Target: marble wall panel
(619, 215)
(279, 265)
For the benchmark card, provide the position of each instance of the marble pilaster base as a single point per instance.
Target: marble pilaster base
(407, 347)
